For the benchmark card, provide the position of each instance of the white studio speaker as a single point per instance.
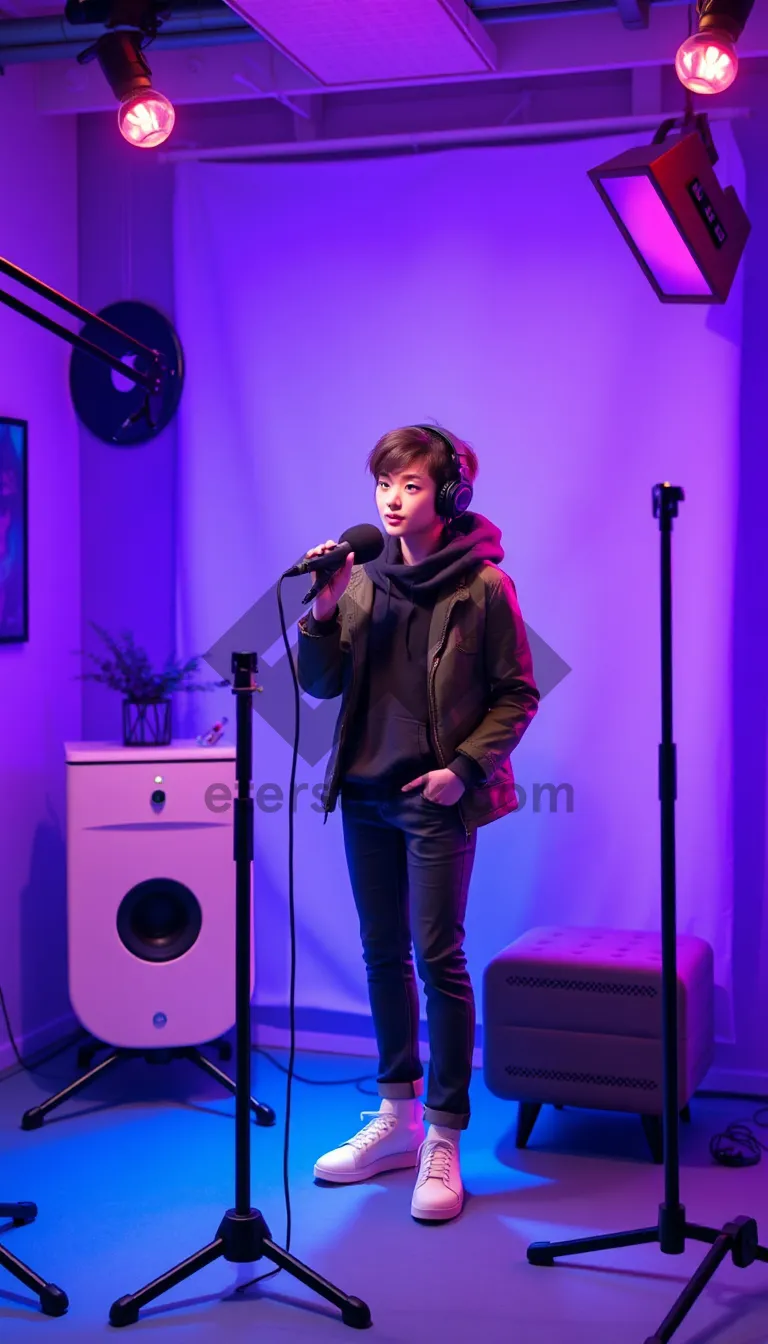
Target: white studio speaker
(151, 892)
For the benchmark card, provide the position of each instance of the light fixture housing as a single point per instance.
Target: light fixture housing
(706, 62)
(685, 230)
(145, 117)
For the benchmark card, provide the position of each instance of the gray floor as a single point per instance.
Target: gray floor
(134, 1176)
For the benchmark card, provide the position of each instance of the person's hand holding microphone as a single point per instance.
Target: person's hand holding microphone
(333, 566)
(324, 604)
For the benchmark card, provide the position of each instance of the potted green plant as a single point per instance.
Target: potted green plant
(146, 692)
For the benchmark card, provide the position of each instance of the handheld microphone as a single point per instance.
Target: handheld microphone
(365, 540)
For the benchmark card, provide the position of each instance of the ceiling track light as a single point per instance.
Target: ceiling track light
(706, 62)
(145, 116)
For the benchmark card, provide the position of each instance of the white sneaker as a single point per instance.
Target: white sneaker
(386, 1143)
(439, 1193)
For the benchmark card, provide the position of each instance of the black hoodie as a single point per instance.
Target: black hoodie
(389, 741)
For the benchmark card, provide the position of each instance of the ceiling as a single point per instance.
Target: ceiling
(297, 51)
(28, 9)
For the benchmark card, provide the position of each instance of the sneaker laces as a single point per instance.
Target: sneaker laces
(380, 1123)
(436, 1159)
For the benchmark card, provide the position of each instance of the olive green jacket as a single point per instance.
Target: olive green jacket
(482, 694)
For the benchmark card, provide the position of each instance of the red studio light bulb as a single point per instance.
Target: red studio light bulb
(146, 119)
(707, 62)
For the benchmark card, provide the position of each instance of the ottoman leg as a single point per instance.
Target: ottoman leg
(654, 1133)
(526, 1118)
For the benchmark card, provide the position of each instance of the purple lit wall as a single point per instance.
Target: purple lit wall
(40, 699)
(322, 303)
(746, 1060)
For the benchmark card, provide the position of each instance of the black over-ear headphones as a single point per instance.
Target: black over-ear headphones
(454, 496)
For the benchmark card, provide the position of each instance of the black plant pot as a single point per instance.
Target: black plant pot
(146, 723)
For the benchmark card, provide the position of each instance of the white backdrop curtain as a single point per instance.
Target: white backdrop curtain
(321, 303)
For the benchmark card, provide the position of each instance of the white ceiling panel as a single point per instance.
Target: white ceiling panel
(365, 41)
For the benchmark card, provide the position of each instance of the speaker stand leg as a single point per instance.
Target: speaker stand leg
(264, 1114)
(88, 1052)
(33, 1118)
(53, 1300)
(222, 1047)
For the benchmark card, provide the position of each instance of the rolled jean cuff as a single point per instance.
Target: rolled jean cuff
(447, 1118)
(400, 1091)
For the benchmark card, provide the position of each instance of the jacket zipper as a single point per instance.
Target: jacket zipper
(433, 706)
(334, 785)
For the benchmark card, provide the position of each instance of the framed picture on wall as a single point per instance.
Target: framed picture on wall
(14, 598)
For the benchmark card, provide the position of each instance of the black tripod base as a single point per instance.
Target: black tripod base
(53, 1300)
(33, 1118)
(241, 1239)
(739, 1239)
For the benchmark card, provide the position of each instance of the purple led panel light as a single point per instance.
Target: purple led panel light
(686, 231)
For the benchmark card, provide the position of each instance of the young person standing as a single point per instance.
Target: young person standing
(428, 650)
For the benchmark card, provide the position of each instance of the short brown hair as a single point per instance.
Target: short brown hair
(397, 448)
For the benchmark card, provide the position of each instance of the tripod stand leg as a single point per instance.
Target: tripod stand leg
(241, 1239)
(264, 1114)
(53, 1300)
(33, 1118)
(125, 1311)
(546, 1252)
(24, 1212)
(693, 1289)
(354, 1312)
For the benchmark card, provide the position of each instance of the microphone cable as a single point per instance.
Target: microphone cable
(738, 1145)
(40, 1057)
(292, 939)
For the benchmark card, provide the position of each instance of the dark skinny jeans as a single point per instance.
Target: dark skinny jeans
(410, 864)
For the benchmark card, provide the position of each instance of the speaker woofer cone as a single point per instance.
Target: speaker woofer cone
(159, 920)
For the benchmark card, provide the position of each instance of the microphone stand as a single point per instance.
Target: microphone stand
(243, 1235)
(738, 1237)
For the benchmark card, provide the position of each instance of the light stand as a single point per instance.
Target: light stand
(738, 1237)
(53, 1300)
(242, 1235)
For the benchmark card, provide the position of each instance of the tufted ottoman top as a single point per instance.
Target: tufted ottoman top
(593, 979)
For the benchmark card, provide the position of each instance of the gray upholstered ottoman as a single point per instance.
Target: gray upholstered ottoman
(572, 1016)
